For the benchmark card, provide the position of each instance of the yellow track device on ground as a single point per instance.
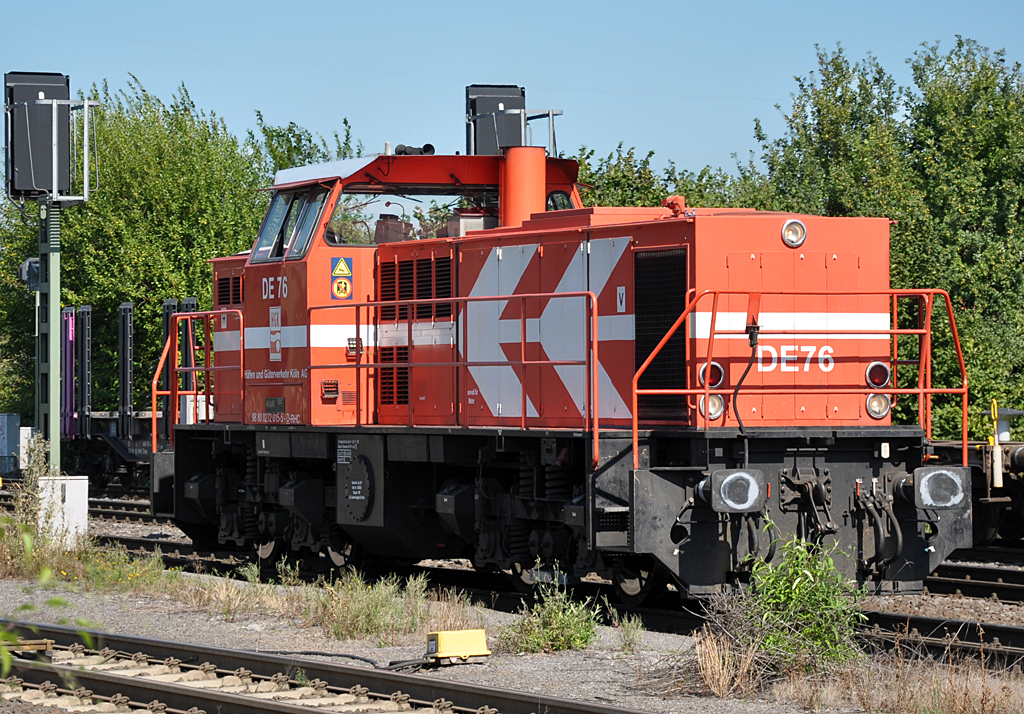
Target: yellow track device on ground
(457, 646)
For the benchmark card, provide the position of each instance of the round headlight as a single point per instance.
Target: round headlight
(717, 406)
(717, 374)
(878, 405)
(794, 233)
(878, 374)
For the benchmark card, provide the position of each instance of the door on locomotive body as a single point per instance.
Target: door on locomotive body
(227, 354)
(342, 333)
(794, 361)
(492, 393)
(660, 284)
(276, 331)
(859, 264)
(341, 276)
(778, 312)
(842, 274)
(747, 273)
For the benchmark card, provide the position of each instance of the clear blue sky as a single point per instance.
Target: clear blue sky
(685, 79)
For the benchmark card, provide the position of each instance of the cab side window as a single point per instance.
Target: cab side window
(559, 201)
(270, 233)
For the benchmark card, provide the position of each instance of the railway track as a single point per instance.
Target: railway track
(951, 578)
(180, 676)
(1008, 554)
(123, 510)
(1001, 645)
(178, 554)
(495, 591)
(977, 581)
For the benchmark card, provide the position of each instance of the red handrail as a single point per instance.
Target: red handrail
(590, 360)
(173, 392)
(924, 390)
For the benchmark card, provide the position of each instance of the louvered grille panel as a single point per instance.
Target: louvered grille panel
(660, 291)
(424, 287)
(386, 377)
(223, 291)
(236, 290)
(443, 286)
(387, 290)
(406, 285)
(401, 376)
(393, 382)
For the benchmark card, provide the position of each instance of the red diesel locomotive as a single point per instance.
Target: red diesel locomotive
(654, 395)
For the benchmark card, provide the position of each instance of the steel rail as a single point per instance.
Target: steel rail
(96, 697)
(465, 697)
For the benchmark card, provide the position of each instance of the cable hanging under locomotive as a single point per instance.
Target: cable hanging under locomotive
(632, 392)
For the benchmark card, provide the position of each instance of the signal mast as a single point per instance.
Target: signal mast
(40, 146)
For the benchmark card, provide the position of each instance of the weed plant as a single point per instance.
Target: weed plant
(630, 627)
(801, 611)
(796, 620)
(555, 622)
(631, 632)
(904, 680)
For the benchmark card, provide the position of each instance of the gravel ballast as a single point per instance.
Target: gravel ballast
(601, 673)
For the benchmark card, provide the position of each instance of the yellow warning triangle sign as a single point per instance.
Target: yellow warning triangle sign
(341, 270)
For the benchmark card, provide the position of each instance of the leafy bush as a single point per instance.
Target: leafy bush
(798, 617)
(803, 609)
(555, 622)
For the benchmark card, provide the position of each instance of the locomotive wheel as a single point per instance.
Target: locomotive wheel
(268, 555)
(985, 522)
(634, 586)
(522, 578)
(344, 555)
(202, 535)
(271, 550)
(339, 559)
(1012, 527)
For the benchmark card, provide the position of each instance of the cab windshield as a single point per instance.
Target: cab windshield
(289, 225)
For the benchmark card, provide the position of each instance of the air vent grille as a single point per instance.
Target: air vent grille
(393, 382)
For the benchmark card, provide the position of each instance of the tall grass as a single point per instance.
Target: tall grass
(349, 607)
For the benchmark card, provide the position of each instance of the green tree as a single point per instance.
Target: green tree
(624, 179)
(619, 179)
(293, 145)
(966, 124)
